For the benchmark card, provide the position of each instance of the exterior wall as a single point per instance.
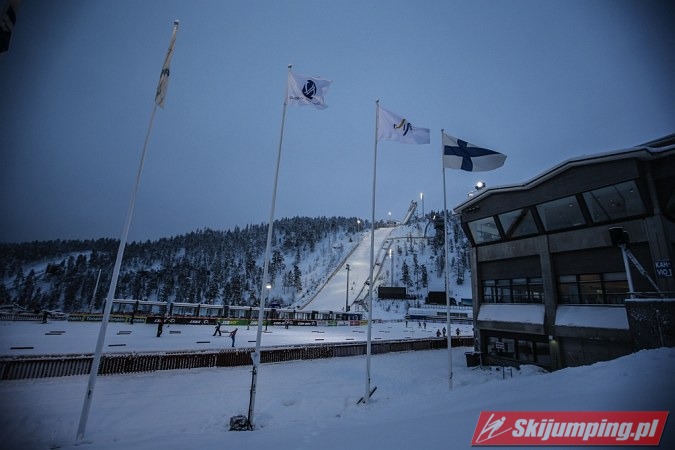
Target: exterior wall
(577, 251)
(580, 351)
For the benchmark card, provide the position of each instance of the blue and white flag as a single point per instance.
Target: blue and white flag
(393, 127)
(304, 90)
(459, 154)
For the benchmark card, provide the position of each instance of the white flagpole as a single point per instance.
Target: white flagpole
(447, 282)
(95, 365)
(261, 312)
(366, 396)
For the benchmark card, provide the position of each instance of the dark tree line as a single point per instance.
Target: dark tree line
(208, 266)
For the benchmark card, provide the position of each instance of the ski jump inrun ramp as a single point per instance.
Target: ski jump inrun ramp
(332, 297)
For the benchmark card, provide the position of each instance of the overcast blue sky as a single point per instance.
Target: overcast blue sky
(541, 81)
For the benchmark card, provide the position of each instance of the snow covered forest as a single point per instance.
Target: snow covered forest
(218, 267)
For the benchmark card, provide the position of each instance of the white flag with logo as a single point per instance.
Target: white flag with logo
(393, 127)
(304, 90)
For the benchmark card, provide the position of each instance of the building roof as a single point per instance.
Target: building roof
(649, 150)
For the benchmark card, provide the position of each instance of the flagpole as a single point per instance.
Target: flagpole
(366, 396)
(261, 312)
(447, 283)
(96, 363)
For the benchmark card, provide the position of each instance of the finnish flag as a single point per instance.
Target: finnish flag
(459, 154)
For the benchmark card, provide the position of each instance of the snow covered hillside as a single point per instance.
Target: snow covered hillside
(415, 252)
(226, 267)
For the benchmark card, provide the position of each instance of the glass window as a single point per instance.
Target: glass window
(536, 290)
(614, 202)
(606, 288)
(489, 295)
(561, 213)
(568, 289)
(525, 351)
(590, 289)
(519, 290)
(509, 348)
(501, 346)
(492, 345)
(504, 291)
(484, 230)
(616, 287)
(543, 352)
(518, 223)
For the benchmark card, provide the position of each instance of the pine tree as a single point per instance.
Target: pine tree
(416, 270)
(297, 278)
(405, 275)
(424, 275)
(5, 297)
(276, 264)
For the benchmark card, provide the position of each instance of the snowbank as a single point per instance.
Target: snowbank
(310, 405)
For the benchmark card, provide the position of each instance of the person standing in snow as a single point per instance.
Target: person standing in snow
(219, 322)
(233, 334)
(160, 326)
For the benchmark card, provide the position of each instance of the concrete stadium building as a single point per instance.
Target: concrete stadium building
(552, 285)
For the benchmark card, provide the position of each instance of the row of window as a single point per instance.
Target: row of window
(593, 289)
(600, 205)
(517, 290)
(586, 289)
(524, 350)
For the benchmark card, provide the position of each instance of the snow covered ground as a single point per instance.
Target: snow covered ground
(303, 404)
(312, 404)
(81, 337)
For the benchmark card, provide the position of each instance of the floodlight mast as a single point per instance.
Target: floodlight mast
(621, 239)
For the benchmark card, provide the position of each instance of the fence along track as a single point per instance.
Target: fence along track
(25, 367)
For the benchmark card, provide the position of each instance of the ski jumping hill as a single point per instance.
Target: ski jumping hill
(332, 297)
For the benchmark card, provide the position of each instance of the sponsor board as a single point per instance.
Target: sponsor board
(572, 428)
(99, 317)
(293, 322)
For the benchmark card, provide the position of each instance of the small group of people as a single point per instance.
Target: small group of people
(219, 322)
(438, 332)
(233, 333)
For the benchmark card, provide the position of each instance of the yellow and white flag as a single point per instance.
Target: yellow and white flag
(393, 127)
(163, 84)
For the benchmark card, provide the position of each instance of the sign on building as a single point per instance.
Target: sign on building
(663, 268)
